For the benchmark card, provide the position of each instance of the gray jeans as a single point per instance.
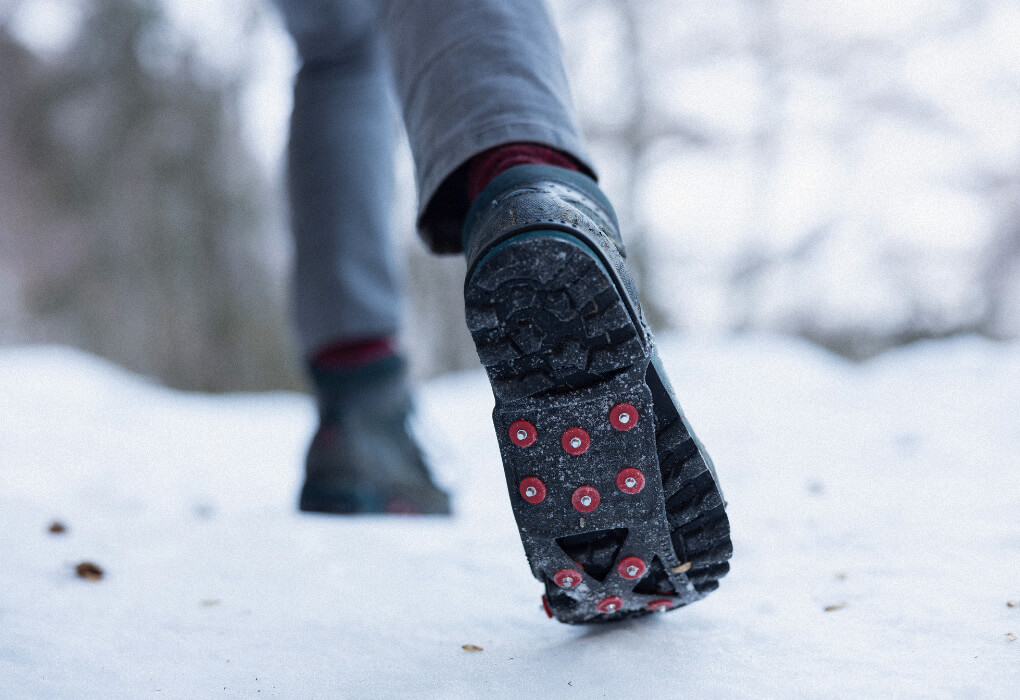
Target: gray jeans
(467, 75)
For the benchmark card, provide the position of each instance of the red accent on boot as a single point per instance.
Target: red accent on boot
(485, 166)
(354, 353)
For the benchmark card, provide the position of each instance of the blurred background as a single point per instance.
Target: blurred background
(843, 172)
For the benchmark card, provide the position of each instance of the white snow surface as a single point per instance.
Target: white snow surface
(890, 489)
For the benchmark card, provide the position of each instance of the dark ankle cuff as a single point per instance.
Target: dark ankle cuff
(489, 164)
(350, 354)
(524, 175)
(339, 382)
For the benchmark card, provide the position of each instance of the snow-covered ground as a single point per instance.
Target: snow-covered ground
(890, 490)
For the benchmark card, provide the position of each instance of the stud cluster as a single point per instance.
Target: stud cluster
(576, 441)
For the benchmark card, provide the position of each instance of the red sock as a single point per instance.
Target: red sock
(485, 166)
(354, 353)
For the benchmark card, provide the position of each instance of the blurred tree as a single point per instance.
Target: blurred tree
(135, 221)
(771, 154)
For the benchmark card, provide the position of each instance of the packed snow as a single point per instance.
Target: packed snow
(874, 510)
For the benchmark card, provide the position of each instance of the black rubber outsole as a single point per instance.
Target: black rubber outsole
(563, 352)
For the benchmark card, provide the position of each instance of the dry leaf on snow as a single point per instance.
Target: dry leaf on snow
(89, 571)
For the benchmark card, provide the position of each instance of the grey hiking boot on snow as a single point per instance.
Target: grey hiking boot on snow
(363, 459)
(617, 502)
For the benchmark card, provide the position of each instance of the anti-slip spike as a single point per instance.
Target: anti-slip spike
(630, 480)
(567, 578)
(575, 441)
(522, 433)
(661, 605)
(608, 606)
(586, 499)
(532, 489)
(545, 606)
(623, 416)
(631, 567)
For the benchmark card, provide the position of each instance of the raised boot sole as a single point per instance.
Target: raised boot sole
(568, 361)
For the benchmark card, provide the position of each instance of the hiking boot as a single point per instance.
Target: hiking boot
(617, 502)
(363, 459)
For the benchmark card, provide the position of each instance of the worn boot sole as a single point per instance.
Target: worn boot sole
(617, 504)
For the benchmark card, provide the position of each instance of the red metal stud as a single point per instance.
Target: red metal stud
(522, 433)
(575, 441)
(623, 416)
(661, 605)
(532, 489)
(567, 578)
(630, 480)
(545, 606)
(631, 567)
(608, 606)
(586, 499)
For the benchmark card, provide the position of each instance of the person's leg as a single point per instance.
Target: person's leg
(472, 75)
(346, 290)
(617, 502)
(340, 178)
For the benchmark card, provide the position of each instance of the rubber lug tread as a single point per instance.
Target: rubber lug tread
(575, 334)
